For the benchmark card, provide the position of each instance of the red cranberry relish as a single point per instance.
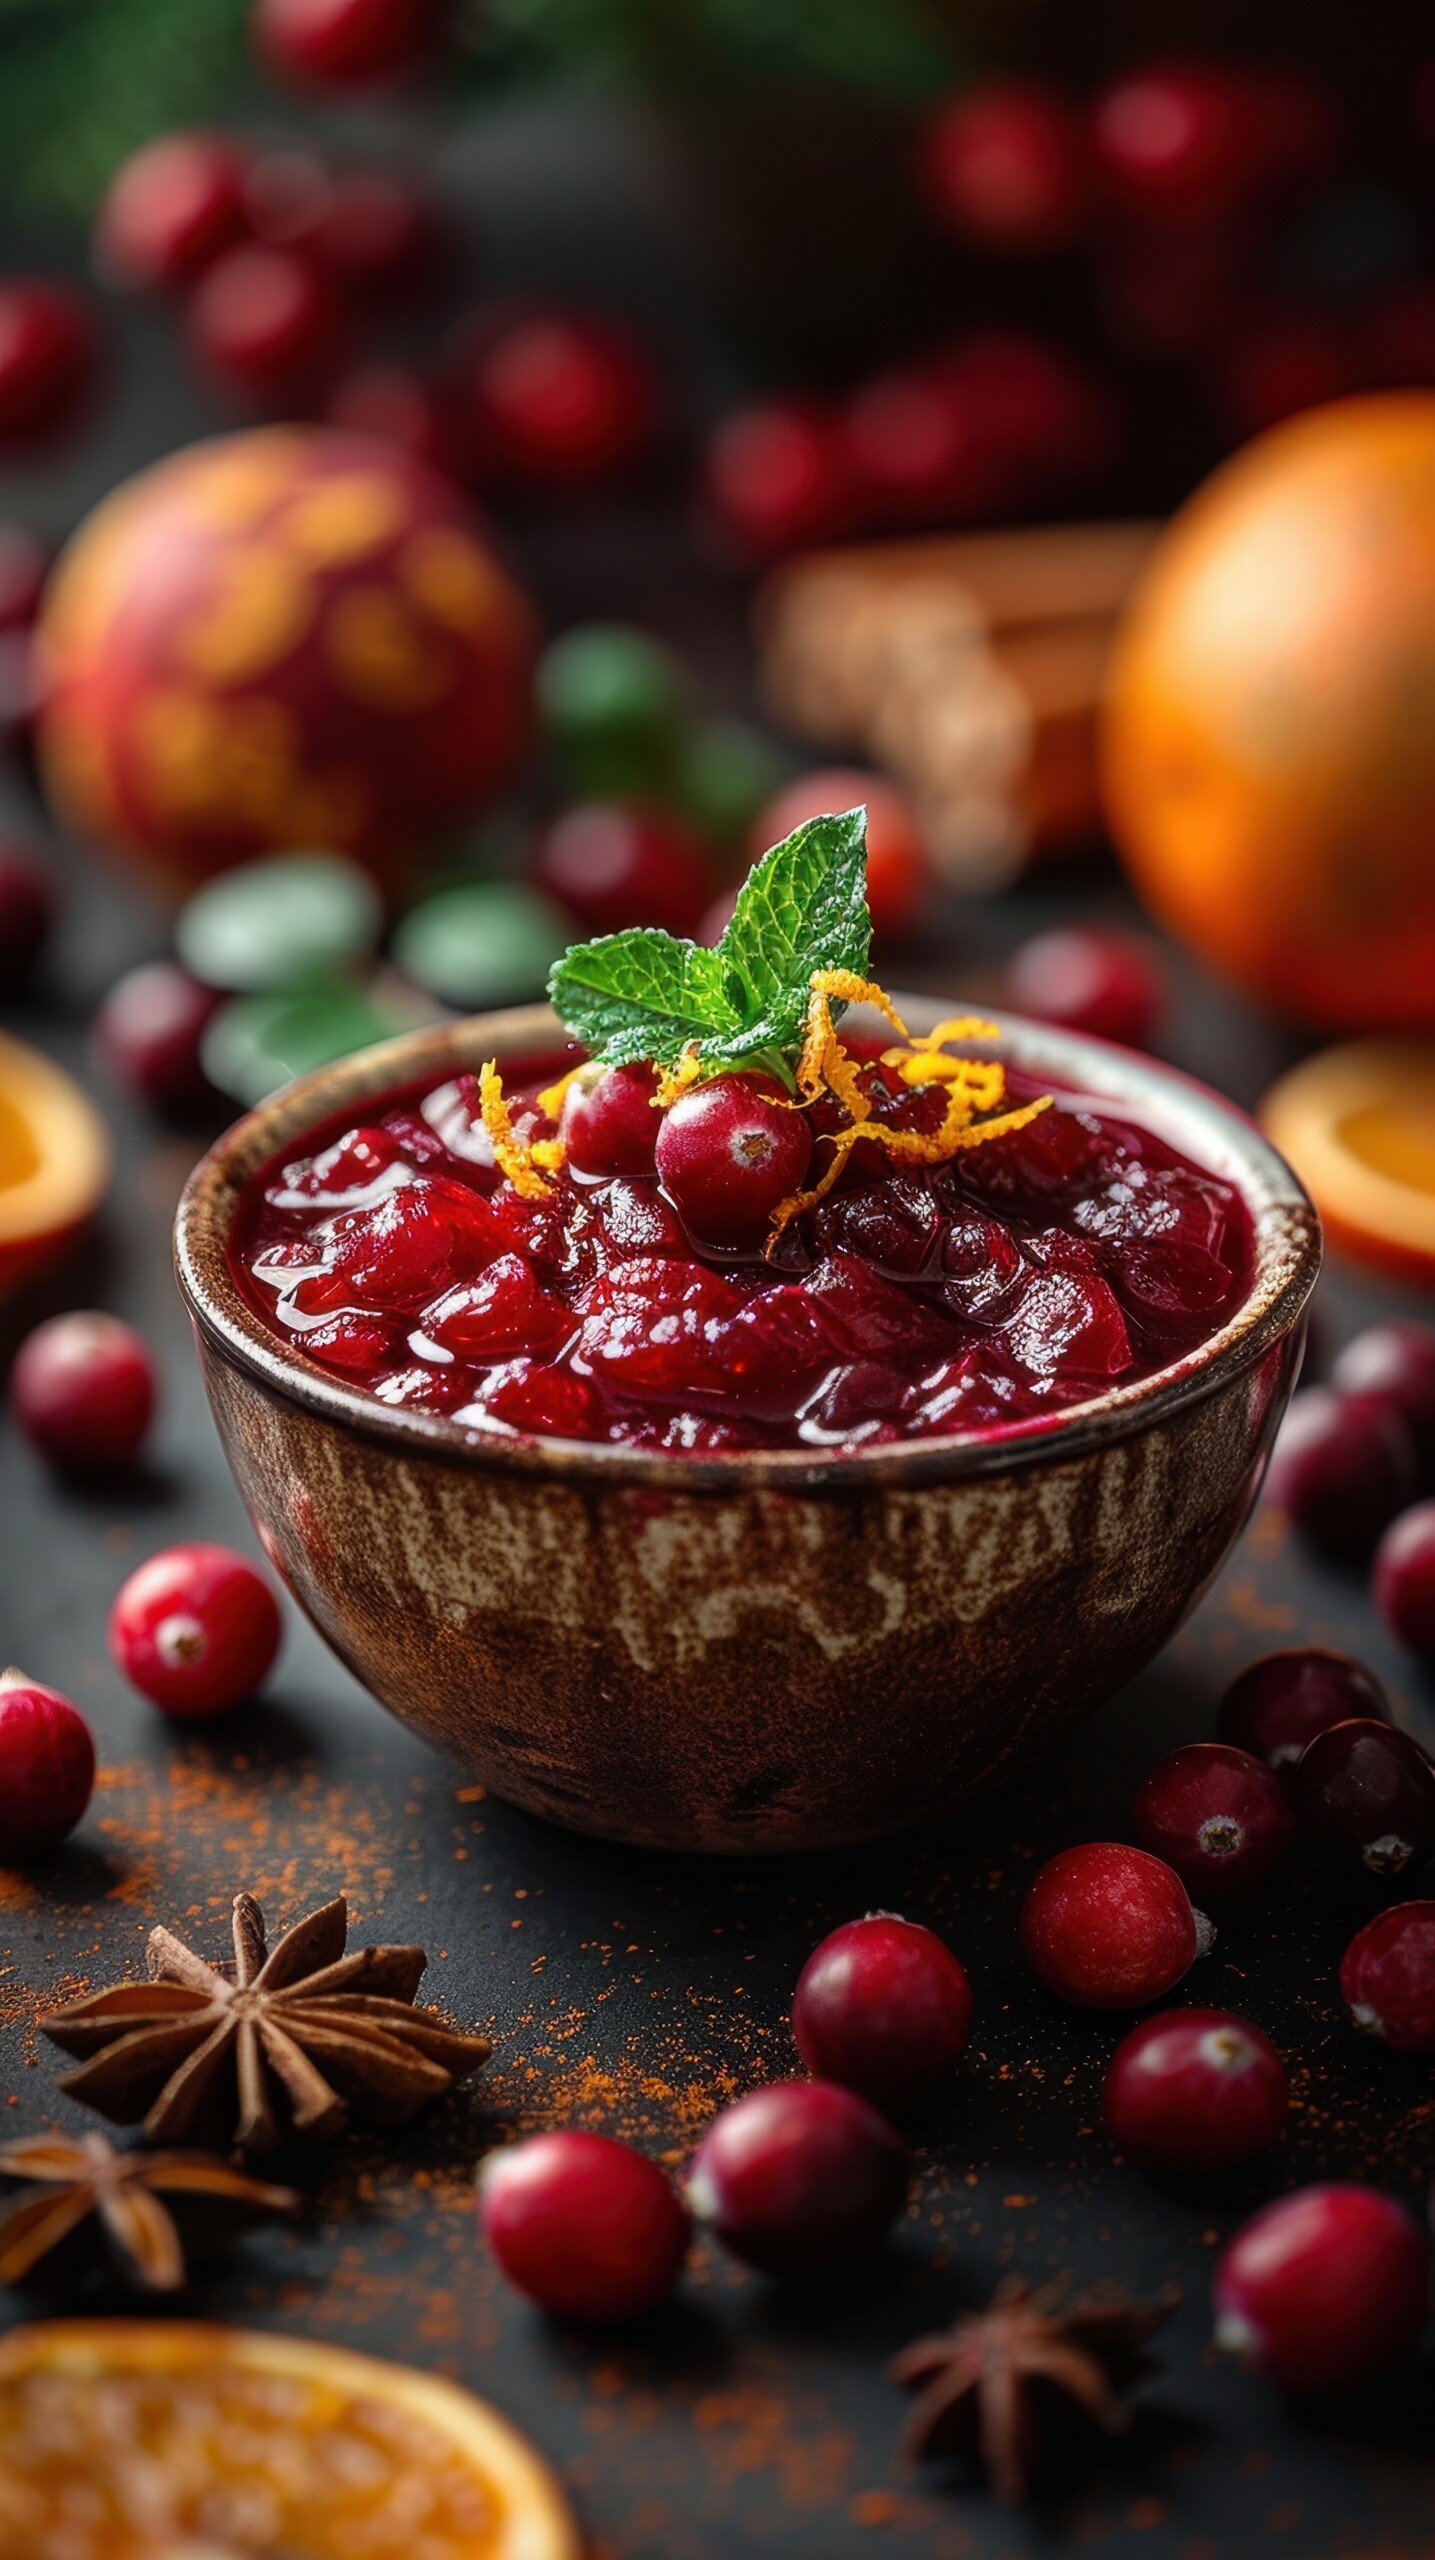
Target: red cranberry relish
(987, 1292)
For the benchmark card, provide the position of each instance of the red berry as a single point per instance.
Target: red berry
(343, 44)
(883, 2007)
(24, 567)
(47, 1767)
(911, 450)
(727, 1152)
(586, 2227)
(262, 321)
(778, 474)
(1404, 1579)
(559, 398)
(1343, 1467)
(375, 233)
(171, 208)
(1323, 2288)
(1091, 978)
(799, 2176)
(27, 911)
(1370, 1788)
(1395, 1363)
(609, 1125)
(48, 356)
(898, 870)
(401, 408)
(1220, 1817)
(1110, 1927)
(83, 1390)
(1043, 422)
(1006, 166)
(1193, 2091)
(613, 864)
(1178, 139)
(1277, 1705)
(148, 1032)
(195, 1629)
(1387, 1976)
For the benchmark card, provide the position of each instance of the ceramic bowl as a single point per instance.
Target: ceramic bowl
(770, 1650)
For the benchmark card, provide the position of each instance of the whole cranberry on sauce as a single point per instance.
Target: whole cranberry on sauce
(171, 208)
(1280, 1703)
(1395, 1363)
(1110, 1927)
(1404, 1579)
(727, 1152)
(1093, 978)
(1194, 2091)
(586, 2227)
(47, 1767)
(1217, 1815)
(1369, 1789)
(883, 2007)
(1324, 2288)
(195, 1629)
(1343, 1467)
(1387, 1977)
(148, 1032)
(83, 1391)
(799, 2176)
(609, 1123)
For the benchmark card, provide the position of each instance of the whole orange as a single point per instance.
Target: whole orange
(1269, 739)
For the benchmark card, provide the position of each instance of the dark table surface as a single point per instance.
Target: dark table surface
(636, 1994)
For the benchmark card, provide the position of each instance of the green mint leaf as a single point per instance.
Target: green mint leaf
(803, 908)
(644, 994)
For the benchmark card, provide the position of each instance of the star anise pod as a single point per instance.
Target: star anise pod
(87, 2179)
(272, 2042)
(986, 2381)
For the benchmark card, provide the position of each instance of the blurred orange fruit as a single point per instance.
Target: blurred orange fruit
(54, 1163)
(1358, 1124)
(1269, 738)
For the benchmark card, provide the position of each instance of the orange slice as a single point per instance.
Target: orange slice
(54, 1162)
(168, 2440)
(1358, 1124)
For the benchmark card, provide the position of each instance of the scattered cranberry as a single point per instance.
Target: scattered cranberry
(1045, 422)
(1323, 2288)
(614, 863)
(47, 1767)
(83, 1390)
(195, 1629)
(27, 911)
(1404, 1579)
(344, 44)
(799, 2176)
(148, 1032)
(1220, 1817)
(171, 208)
(1387, 1976)
(1177, 139)
(777, 474)
(1091, 978)
(727, 1152)
(585, 2226)
(1110, 1927)
(1343, 1467)
(1395, 1363)
(1195, 2091)
(898, 871)
(48, 356)
(559, 398)
(609, 1124)
(262, 321)
(1005, 165)
(1277, 1705)
(883, 2007)
(1371, 1788)
(911, 450)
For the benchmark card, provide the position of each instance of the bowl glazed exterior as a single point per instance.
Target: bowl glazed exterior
(759, 1650)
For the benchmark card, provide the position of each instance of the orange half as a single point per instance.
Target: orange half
(148, 2439)
(54, 1162)
(1358, 1124)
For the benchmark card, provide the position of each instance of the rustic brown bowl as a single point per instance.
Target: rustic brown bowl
(777, 1649)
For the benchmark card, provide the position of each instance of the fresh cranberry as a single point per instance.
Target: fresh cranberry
(727, 1152)
(1370, 1788)
(171, 208)
(559, 398)
(83, 1390)
(1194, 2091)
(1404, 1580)
(48, 359)
(777, 474)
(899, 871)
(1343, 1467)
(262, 321)
(1005, 166)
(1277, 1705)
(1110, 1927)
(148, 1032)
(1395, 1363)
(586, 2227)
(1177, 139)
(1219, 1817)
(614, 864)
(883, 2007)
(1089, 977)
(343, 44)
(27, 911)
(799, 2176)
(47, 1767)
(609, 1124)
(195, 1629)
(1387, 1977)
(1324, 2288)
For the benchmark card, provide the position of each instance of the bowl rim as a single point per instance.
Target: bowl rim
(1215, 1133)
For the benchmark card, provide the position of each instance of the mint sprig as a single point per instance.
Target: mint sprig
(648, 994)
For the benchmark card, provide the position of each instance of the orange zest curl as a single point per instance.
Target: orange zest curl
(511, 1153)
(551, 1099)
(676, 1079)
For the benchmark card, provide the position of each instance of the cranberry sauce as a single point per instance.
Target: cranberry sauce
(1025, 1276)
